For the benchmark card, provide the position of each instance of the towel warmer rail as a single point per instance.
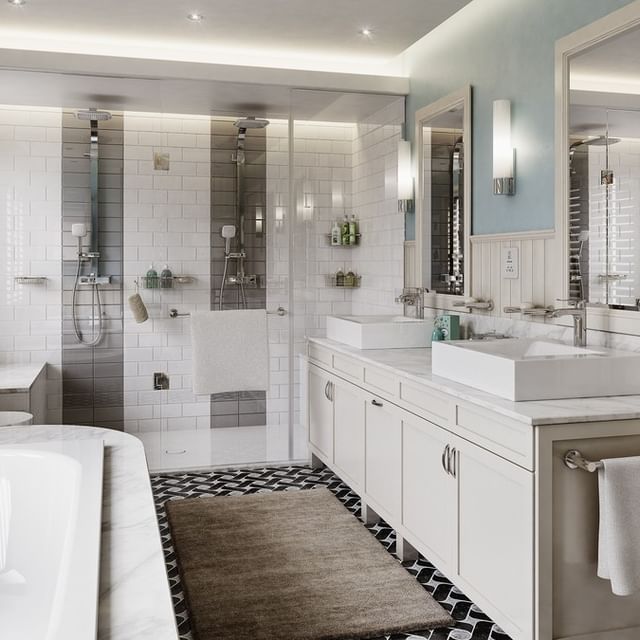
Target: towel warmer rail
(280, 311)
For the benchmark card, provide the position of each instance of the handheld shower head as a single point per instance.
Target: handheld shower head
(79, 230)
(228, 232)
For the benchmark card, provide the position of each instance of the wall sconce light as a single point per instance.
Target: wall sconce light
(504, 181)
(405, 177)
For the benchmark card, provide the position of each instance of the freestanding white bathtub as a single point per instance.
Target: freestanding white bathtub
(50, 523)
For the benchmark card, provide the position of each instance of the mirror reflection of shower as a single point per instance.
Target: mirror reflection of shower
(585, 196)
(91, 257)
(238, 255)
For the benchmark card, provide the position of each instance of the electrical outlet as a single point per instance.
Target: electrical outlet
(510, 263)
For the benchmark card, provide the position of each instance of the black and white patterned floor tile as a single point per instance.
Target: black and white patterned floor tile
(471, 623)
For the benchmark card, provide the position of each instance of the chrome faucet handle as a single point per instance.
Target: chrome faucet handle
(572, 302)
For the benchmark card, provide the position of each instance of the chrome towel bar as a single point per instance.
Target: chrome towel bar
(280, 311)
(575, 460)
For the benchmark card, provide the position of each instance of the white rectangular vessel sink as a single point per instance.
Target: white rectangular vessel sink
(380, 332)
(529, 369)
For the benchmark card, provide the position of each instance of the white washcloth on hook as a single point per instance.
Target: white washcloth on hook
(230, 351)
(619, 534)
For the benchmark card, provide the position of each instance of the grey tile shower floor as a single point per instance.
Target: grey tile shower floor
(471, 622)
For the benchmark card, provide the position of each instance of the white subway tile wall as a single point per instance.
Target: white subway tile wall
(166, 222)
(30, 242)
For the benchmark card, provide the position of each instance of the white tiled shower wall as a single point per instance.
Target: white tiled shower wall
(341, 167)
(30, 242)
(166, 221)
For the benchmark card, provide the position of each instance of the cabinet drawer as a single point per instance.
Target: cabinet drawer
(381, 381)
(348, 367)
(320, 355)
(508, 438)
(436, 407)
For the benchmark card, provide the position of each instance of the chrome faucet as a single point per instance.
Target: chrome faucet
(413, 297)
(578, 311)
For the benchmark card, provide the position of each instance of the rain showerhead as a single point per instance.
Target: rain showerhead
(599, 141)
(93, 114)
(251, 123)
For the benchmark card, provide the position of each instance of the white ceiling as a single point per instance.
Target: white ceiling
(605, 88)
(613, 65)
(296, 31)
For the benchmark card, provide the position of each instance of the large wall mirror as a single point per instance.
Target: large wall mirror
(600, 150)
(443, 194)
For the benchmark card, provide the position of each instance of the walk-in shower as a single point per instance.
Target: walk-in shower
(240, 279)
(92, 256)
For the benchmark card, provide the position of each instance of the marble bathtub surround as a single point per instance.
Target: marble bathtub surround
(134, 600)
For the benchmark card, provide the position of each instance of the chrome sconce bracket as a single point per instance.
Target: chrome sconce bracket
(504, 186)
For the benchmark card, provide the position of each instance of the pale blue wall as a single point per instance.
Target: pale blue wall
(503, 49)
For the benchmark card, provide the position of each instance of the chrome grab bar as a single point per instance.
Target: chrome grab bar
(573, 459)
(280, 311)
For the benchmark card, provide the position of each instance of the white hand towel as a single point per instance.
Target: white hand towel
(619, 535)
(230, 351)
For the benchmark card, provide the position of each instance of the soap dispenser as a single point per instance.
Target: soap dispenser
(335, 234)
(166, 278)
(152, 278)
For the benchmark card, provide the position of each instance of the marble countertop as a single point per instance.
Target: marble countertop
(416, 365)
(135, 601)
(18, 378)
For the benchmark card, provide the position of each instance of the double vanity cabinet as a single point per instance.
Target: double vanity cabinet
(477, 484)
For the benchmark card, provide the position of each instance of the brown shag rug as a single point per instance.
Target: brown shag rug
(291, 565)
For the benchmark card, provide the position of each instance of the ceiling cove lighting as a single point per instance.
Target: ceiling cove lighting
(504, 182)
(405, 177)
(366, 32)
(194, 16)
(17, 3)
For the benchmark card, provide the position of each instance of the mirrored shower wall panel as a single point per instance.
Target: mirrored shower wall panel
(238, 200)
(92, 364)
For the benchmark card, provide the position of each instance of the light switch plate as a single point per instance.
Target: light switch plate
(510, 263)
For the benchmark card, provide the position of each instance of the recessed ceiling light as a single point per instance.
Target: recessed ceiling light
(194, 16)
(17, 3)
(366, 32)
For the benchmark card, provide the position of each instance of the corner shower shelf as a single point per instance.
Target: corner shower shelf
(333, 282)
(156, 282)
(30, 280)
(346, 246)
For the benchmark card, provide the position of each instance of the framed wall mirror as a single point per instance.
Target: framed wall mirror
(443, 196)
(598, 155)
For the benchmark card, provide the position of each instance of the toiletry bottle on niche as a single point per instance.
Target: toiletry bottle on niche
(166, 278)
(335, 234)
(340, 278)
(353, 230)
(152, 278)
(344, 230)
(350, 279)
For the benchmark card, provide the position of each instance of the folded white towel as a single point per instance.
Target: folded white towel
(619, 535)
(230, 351)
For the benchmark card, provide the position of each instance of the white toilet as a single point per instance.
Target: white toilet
(15, 418)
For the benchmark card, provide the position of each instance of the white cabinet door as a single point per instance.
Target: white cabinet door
(383, 457)
(429, 499)
(496, 554)
(349, 410)
(321, 411)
